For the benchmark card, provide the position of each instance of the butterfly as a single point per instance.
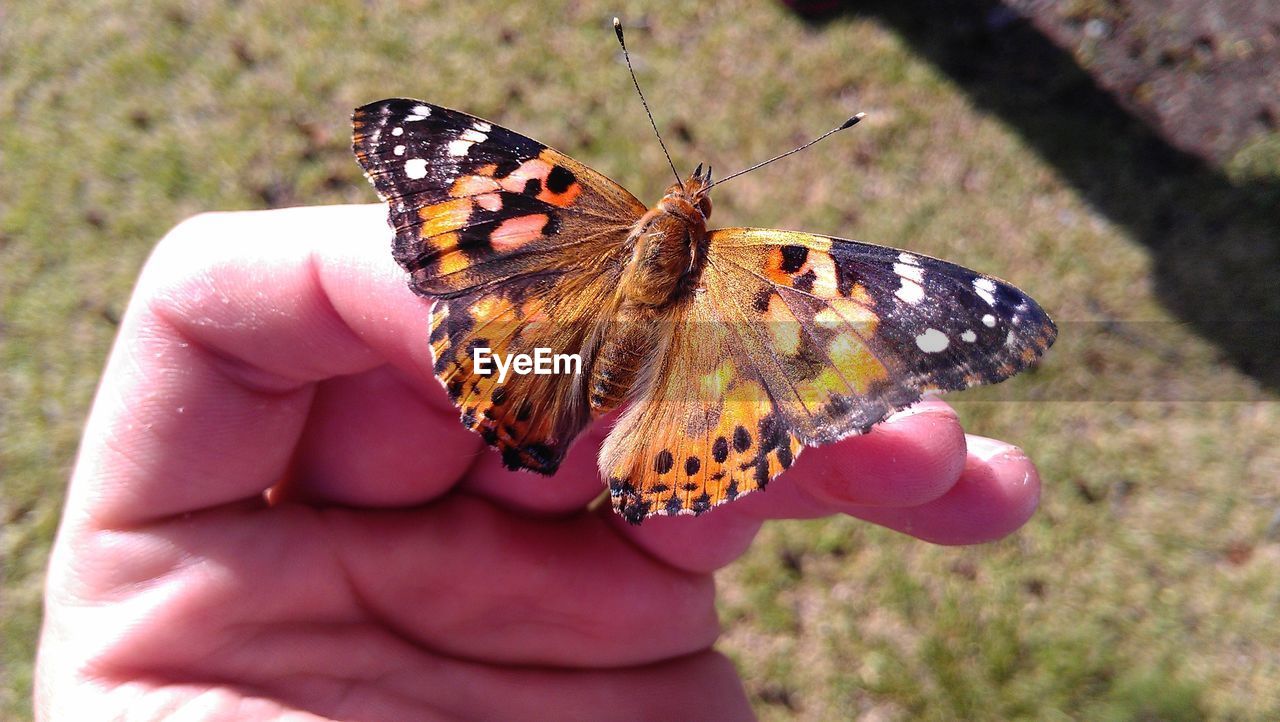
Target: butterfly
(728, 351)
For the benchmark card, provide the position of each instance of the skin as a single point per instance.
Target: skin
(275, 514)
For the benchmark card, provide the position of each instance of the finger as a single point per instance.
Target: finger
(912, 458)
(373, 440)
(996, 494)
(574, 485)
(234, 318)
(471, 580)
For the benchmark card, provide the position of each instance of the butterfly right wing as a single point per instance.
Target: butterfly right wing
(702, 427)
(794, 339)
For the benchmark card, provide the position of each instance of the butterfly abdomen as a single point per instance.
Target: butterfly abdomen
(628, 349)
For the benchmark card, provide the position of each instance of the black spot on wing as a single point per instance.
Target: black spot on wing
(692, 465)
(663, 461)
(701, 503)
(761, 300)
(634, 510)
(771, 434)
(673, 505)
(559, 180)
(793, 258)
(553, 225)
(804, 282)
(731, 491)
(720, 450)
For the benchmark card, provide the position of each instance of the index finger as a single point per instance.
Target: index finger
(234, 319)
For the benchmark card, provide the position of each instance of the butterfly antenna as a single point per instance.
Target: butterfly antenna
(847, 124)
(617, 29)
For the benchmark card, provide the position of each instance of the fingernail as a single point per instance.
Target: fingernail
(988, 449)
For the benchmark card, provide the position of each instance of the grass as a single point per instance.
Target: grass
(1143, 589)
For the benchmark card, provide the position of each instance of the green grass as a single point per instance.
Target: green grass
(1145, 588)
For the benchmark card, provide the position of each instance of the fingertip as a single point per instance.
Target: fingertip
(1013, 483)
(913, 457)
(996, 494)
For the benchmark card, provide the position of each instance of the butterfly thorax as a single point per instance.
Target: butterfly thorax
(668, 247)
(668, 252)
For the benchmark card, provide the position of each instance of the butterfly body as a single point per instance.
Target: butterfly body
(728, 351)
(667, 251)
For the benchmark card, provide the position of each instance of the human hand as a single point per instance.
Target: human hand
(276, 514)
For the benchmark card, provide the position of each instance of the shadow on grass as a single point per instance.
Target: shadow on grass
(1215, 244)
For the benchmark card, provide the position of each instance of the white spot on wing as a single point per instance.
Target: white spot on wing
(459, 147)
(909, 292)
(907, 270)
(398, 150)
(968, 337)
(989, 321)
(397, 131)
(985, 289)
(1011, 339)
(415, 168)
(932, 341)
(482, 126)
(908, 258)
(474, 136)
(419, 112)
(910, 289)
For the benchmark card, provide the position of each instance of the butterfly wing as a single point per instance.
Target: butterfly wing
(702, 427)
(521, 245)
(474, 204)
(822, 338)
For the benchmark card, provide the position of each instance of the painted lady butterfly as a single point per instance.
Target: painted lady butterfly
(732, 349)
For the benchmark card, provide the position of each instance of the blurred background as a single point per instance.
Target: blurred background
(1117, 159)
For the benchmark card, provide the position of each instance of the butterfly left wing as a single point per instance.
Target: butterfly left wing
(795, 339)
(522, 247)
(474, 204)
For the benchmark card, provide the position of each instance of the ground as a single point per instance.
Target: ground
(1119, 161)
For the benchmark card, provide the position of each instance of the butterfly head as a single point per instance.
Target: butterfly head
(691, 196)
